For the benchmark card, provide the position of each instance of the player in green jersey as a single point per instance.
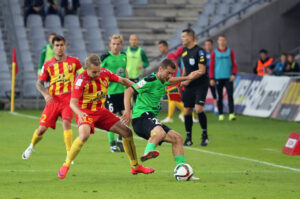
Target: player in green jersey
(115, 61)
(150, 90)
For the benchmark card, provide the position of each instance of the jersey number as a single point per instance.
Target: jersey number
(44, 117)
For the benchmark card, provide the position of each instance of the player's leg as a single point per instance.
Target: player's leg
(84, 133)
(219, 86)
(129, 148)
(177, 145)
(180, 106)
(171, 110)
(229, 90)
(36, 137)
(189, 103)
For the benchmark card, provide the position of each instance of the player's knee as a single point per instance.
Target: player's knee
(199, 109)
(83, 137)
(41, 130)
(179, 139)
(188, 111)
(127, 132)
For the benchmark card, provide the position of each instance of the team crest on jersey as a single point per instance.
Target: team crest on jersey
(104, 82)
(192, 61)
(70, 68)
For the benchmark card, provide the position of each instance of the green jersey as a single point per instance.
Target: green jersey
(150, 91)
(117, 65)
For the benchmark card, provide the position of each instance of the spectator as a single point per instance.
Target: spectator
(47, 52)
(53, 7)
(173, 92)
(280, 66)
(263, 65)
(70, 6)
(222, 71)
(292, 65)
(136, 59)
(33, 7)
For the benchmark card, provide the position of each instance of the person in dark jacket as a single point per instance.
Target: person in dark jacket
(33, 7)
(70, 6)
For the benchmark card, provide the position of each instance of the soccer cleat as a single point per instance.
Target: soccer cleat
(167, 120)
(63, 171)
(142, 169)
(221, 117)
(26, 154)
(204, 142)
(149, 155)
(181, 118)
(195, 119)
(194, 178)
(216, 112)
(232, 117)
(188, 142)
(120, 145)
(114, 149)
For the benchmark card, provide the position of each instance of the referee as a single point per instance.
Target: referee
(194, 58)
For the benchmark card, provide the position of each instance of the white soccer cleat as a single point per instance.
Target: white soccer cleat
(167, 120)
(195, 120)
(194, 178)
(26, 154)
(181, 118)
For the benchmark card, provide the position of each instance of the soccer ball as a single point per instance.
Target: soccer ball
(183, 172)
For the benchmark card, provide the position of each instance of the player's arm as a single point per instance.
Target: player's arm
(124, 81)
(75, 108)
(126, 117)
(44, 92)
(193, 75)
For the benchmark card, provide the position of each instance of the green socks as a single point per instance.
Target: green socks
(180, 159)
(149, 147)
(111, 138)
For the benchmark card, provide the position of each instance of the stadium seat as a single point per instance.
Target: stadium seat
(71, 21)
(110, 31)
(140, 2)
(80, 54)
(38, 44)
(3, 56)
(56, 30)
(15, 9)
(86, 2)
(36, 33)
(202, 20)
(4, 68)
(90, 22)
(96, 46)
(123, 10)
(87, 10)
(20, 32)
(76, 45)
(28, 67)
(101, 2)
(29, 89)
(52, 21)
(237, 6)
(109, 22)
(34, 20)
(23, 45)
(223, 9)
(93, 33)
(26, 57)
(5, 81)
(18, 20)
(73, 34)
(1, 44)
(209, 9)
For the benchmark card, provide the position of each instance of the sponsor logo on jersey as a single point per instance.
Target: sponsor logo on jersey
(184, 54)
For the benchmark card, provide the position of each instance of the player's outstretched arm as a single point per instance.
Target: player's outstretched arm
(190, 77)
(126, 82)
(75, 108)
(43, 91)
(127, 104)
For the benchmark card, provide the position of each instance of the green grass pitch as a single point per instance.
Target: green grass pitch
(242, 161)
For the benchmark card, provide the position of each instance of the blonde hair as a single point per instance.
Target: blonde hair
(116, 36)
(92, 59)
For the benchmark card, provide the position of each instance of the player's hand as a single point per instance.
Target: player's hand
(212, 82)
(81, 116)
(48, 99)
(232, 78)
(126, 117)
(140, 67)
(185, 83)
(193, 75)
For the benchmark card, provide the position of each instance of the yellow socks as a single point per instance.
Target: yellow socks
(76, 146)
(130, 150)
(68, 137)
(180, 106)
(35, 138)
(171, 109)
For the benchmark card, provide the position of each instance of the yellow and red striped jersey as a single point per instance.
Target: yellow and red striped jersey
(61, 74)
(92, 92)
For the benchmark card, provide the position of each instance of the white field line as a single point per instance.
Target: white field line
(196, 149)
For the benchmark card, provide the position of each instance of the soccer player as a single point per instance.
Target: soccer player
(61, 70)
(150, 90)
(115, 61)
(173, 92)
(47, 52)
(222, 74)
(88, 97)
(208, 47)
(194, 58)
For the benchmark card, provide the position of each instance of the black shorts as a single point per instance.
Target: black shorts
(195, 95)
(115, 103)
(144, 124)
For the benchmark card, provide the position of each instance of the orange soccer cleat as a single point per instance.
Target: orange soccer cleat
(63, 172)
(142, 169)
(149, 155)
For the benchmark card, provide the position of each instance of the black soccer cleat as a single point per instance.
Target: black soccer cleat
(188, 142)
(205, 141)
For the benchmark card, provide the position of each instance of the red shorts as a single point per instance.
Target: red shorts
(102, 119)
(59, 107)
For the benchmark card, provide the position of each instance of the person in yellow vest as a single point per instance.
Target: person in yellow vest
(47, 53)
(263, 65)
(137, 59)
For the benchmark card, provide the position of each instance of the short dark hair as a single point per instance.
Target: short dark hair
(190, 32)
(92, 59)
(58, 38)
(210, 40)
(163, 42)
(291, 54)
(284, 54)
(167, 62)
(224, 36)
(263, 51)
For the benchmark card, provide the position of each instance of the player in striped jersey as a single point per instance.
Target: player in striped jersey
(87, 101)
(61, 72)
